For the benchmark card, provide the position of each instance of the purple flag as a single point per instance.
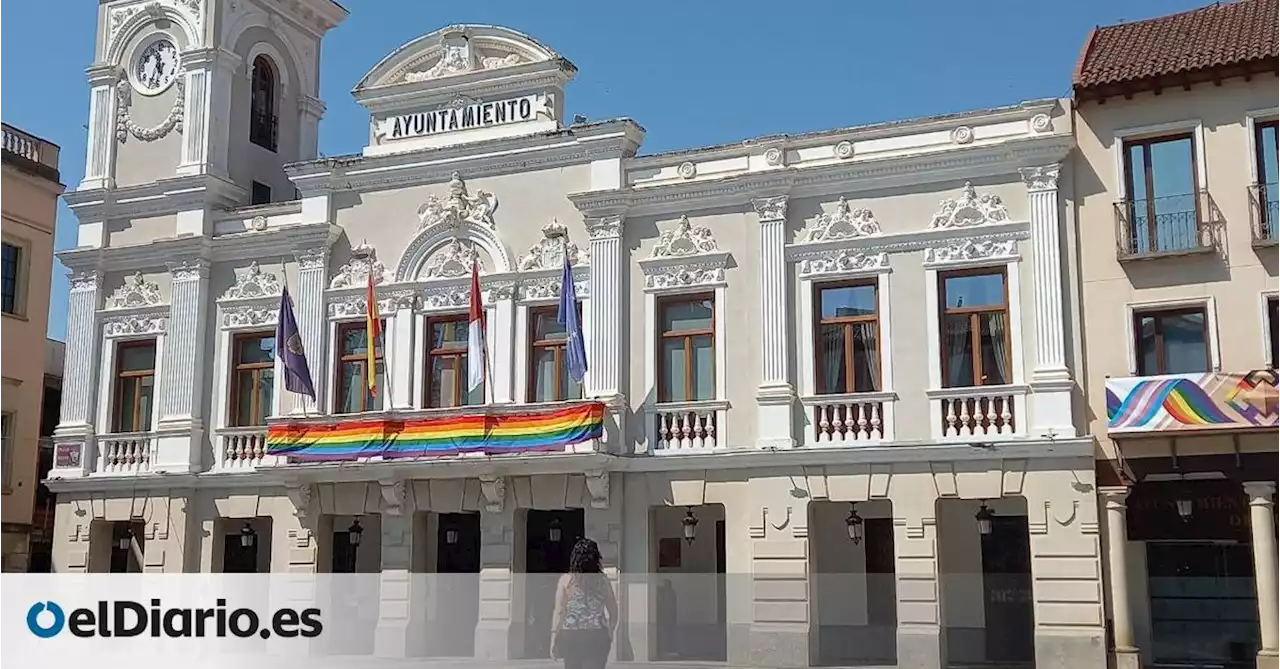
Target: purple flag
(297, 373)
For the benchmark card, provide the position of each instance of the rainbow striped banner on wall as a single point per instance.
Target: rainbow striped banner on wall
(535, 429)
(1193, 402)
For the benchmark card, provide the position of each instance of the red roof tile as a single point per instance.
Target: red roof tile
(1218, 36)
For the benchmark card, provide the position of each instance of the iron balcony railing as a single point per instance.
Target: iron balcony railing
(264, 130)
(1264, 213)
(1169, 225)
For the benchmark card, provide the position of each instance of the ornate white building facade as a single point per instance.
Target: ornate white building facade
(790, 336)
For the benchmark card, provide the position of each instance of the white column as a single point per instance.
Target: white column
(309, 308)
(922, 639)
(775, 394)
(79, 381)
(100, 151)
(310, 111)
(608, 300)
(501, 345)
(400, 379)
(1127, 656)
(403, 606)
(182, 372)
(1262, 510)
(498, 614)
(1050, 378)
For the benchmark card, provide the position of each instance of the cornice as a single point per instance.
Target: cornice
(846, 177)
(271, 242)
(916, 240)
(390, 98)
(165, 196)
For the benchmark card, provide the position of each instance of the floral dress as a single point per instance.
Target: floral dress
(584, 608)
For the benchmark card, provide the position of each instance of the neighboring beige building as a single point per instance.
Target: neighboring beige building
(844, 354)
(1176, 193)
(30, 201)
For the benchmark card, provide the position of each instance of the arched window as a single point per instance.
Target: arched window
(263, 115)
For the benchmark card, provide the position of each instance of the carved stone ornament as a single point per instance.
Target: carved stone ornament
(120, 16)
(687, 170)
(392, 497)
(774, 157)
(550, 251)
(135, 292)
(972, 248)
(451, 261)
(598, 488)
(684, 240)
(844, 223)
(312, 259)
(844, 150)
(1043, 178)
(364, 262)
(962, 135)
(173, 121)
(459, 207)
(494, 491)
(605, 227)
(1041, 123)
(126, 325)
(300, 496)
(253, 283)
(685, 275)
(843, 261)
(345, 306)
(249, 315)
(448, 296)
(771, 208)
(548, 287)
(85, 281)
(458, 56)
(970, 209)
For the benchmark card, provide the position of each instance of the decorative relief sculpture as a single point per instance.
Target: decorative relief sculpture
(844, 150)
(843, 261)
(771, 208)
(972, 248)
(685, 275)
(125, 125)
(1041, 123)
(249, 315)
(970, 209)
(134, 324)
(774, 157)
(607, 227)
(459, 207)
(355, 304)
(1042, 178)
(684, 240)
(687, 170)
(458, 56)
(119, 17)
(135, 292)
(364, 262)
(548, 287)
(452, 260)
(962, 135)
(845, 223)
(550, 251)
(253, 283)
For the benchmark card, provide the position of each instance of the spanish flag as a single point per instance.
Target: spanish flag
(373, 330)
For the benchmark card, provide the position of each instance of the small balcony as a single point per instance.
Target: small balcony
(979, 412)
(1172, 225)
(243, 449)
(1190, 403)
(687, 427)
(126, 453)
(853, 419)
(1264, 214)
(30, 153)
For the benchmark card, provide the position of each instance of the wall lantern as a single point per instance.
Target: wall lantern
(984, 517)
(126, 540)
(1185, 509)
(451, 536)
(553, 531)
(248, 536)
(354, 532)
(689, 525)
(854, 524)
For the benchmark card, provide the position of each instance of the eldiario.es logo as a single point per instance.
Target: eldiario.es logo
(124, 618)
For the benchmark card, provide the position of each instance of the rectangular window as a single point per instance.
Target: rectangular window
(975, 328)
(686, 349)
(353, 385)
(9, 281)
(848, 338)
(1273, 331)
(1172, 341)
(260, 193)
(252, 378)
(1266, 143)
(1161, 183)
(6, 455)
(448, 364)
(549, 379)
(135, 386)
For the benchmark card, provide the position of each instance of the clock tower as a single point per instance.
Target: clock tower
(203, 96)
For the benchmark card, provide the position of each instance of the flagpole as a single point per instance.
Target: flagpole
(284, 280)
(488, 368)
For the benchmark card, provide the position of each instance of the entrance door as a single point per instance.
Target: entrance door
(344, 553)
(1006, 580)
(549, 538)
(458, 562)
(238, 558)
(1204, 608)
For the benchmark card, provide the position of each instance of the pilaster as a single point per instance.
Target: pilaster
(608, 300)
(309, 309)
(400, 344)
(775, 394)
(182, 369)
(1050, 378)
(1125, 650)
(1262, 509)
(402, 611)
(310, 111)
(75, 430)
(206, 114)
(99, 167)
(497, 564)
(500, 340)
(778, 580)
(921, 641)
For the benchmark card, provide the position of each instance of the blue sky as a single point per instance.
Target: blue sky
(692, 73)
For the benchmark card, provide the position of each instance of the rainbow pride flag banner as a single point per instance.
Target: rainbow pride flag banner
(535, 429)
(1193, 402)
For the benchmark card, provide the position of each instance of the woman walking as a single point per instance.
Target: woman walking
(586, 612)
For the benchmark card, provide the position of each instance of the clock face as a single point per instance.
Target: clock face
(157, 66)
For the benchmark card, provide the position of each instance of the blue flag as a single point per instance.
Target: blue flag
(575, 352)
(297, 373)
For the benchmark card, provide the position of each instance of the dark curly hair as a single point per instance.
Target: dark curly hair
(585, 558)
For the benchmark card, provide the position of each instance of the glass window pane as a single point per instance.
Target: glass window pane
(1148, 361)
(1137, 172)
(352, 384)
(1172, 167)
(136, 358)
(547, 328)
(1268, 169)
(266, 392)
(544, 375)
(704, 368)
(957, 349)
(244, 400)
(146, 390)
(444, 380)
(831, 358)
(374, 402)
(688, 315)
(1184, 343)
(974, 290)
(995, 349)
(128, 398)
(450, 334)
(675, 368)
(260, 349)
(354, 341)
(866, 357)
(475, 397)
(847, 301)
(569, 389)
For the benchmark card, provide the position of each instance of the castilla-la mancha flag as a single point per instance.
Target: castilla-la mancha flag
(475, 334)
